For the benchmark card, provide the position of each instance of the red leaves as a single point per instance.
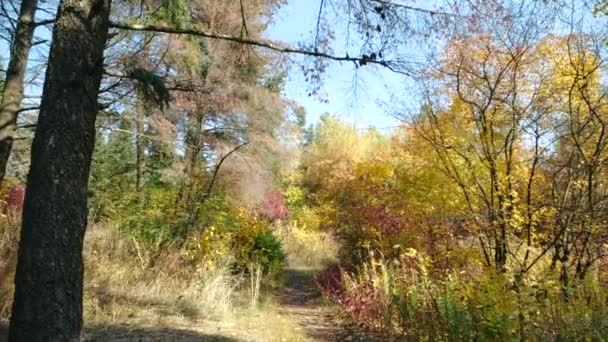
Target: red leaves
(330, 282)
(273, 207)
(381, 218)
(13, 199)
(362, 302)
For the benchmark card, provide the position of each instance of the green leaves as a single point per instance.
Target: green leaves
(174, 13)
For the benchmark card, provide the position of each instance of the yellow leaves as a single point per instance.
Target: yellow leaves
(209, 244)
(572, 73)
(293, 194)
(410, 252)
(338, 147)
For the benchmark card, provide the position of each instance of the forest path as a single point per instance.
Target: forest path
(300, 301)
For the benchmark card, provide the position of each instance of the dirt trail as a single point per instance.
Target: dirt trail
(301, 301)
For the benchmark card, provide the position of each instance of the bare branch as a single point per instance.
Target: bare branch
(391, 65)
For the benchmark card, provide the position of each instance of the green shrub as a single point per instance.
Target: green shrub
(268, 251)
(256, 243)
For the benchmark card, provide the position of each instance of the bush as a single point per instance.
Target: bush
(255, 243)
(149, 217)
(268, 251)
(220, 229)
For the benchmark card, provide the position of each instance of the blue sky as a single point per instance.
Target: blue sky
(361, 102)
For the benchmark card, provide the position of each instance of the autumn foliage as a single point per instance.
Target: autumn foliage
(481, 215)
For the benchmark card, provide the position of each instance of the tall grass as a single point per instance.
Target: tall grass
(401, 297)
(125, 283)
(9, 237)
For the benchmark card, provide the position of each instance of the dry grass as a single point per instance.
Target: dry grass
(122, 290)
(9, 237)
(121, 286)
(131, 294)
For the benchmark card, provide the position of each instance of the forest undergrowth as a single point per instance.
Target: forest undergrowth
(132, 293)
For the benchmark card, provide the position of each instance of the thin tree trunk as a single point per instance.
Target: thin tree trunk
(13, 85)
(140, 118)
(140, 147)
(49, 276)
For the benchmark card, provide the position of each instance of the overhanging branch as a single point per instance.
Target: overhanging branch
(362, 60)
(415, 9)
(216, 170)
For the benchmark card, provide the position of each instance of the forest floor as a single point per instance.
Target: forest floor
(295, 311)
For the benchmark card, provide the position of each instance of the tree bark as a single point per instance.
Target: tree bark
(49, 278)
(13, 85)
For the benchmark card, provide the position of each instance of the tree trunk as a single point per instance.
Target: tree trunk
(49, 277)
(140, 147)
(140, 126)
(13, 85)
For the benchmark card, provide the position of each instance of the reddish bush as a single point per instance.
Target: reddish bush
(380, 217)
(330, 282)
(273, 207)
(362, 303)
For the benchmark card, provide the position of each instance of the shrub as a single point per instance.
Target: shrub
(149, 217)
(12, 195)
(268, 251)
(273, 207)
(255, 243)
